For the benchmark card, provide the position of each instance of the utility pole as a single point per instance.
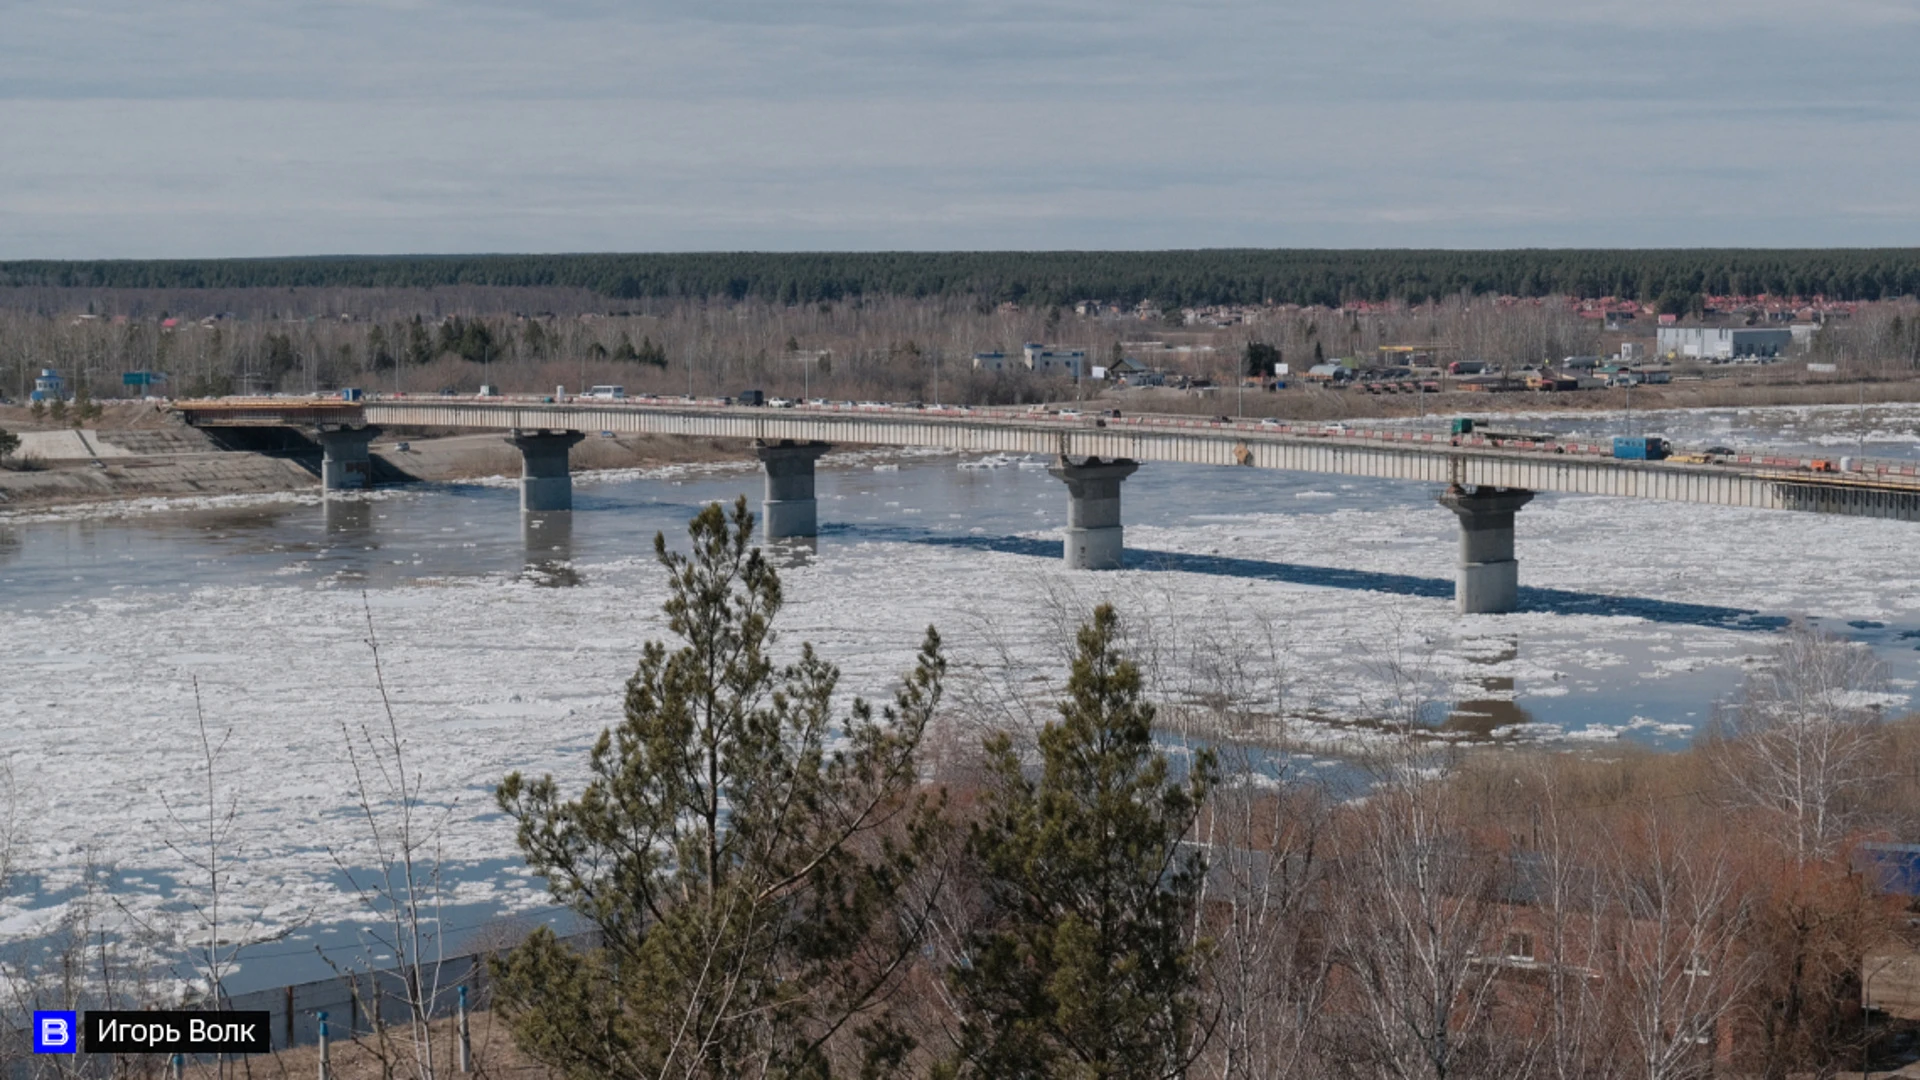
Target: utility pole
(1862, 434)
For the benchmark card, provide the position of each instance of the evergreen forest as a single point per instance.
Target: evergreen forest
(1174, 278)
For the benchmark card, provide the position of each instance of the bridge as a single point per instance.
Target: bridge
(1487, 477)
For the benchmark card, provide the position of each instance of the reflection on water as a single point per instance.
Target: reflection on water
(793, 552)
(548, 539)
(1481, 717)
(9, 546)
(347, 519)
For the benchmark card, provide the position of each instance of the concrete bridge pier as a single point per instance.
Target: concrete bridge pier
(546, 483)
(790, 510)
(1093, 539)
(344, 462)
(1488, 579)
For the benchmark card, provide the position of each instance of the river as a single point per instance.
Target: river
(1251, 596)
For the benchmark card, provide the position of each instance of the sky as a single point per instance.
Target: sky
(134, 129)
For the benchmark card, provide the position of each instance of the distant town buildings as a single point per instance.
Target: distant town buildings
(1056, 360)
(989, 361)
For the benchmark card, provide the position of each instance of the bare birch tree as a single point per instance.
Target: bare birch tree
(1802, 738)
(1680, 968)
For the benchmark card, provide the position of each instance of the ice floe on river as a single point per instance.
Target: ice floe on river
(1325, 617)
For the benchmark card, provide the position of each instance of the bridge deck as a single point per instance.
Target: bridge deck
(1890, 490)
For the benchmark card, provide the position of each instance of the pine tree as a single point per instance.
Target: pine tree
(747, 857)
(1086, 961)
(419, 343)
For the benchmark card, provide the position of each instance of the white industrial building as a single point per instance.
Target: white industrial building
(1056, 360)
(1723, 342)
(989, 361)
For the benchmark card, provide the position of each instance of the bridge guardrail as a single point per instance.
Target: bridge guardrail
(264, 410)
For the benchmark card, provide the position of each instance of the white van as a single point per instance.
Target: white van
(608, 393)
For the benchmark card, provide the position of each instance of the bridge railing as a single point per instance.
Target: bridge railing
(256, 411)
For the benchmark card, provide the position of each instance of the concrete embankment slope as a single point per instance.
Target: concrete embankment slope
(89, 465)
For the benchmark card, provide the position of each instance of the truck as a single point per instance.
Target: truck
(352, 394)
(1639, 448)
(750, 397)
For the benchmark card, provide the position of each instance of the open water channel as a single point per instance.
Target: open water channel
(1294, 607)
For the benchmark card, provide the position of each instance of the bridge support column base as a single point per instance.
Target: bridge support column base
(789, 510)
(1094, 533)
(546, 478)
(1487, 581)
(345, 464)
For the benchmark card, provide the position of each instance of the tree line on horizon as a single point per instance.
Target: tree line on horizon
(1172, 278)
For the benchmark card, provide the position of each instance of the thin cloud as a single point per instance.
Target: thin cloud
(247, 128)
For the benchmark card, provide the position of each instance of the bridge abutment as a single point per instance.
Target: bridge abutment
(345, 463)
(1093, 537)
(789, 510)
(546, 480)
(1487, 581)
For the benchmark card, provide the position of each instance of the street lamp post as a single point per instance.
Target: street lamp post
(1866, 1017)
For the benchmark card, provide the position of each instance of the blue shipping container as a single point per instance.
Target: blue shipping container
(1646, 448)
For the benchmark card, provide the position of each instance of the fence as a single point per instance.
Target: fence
(362, 1002)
